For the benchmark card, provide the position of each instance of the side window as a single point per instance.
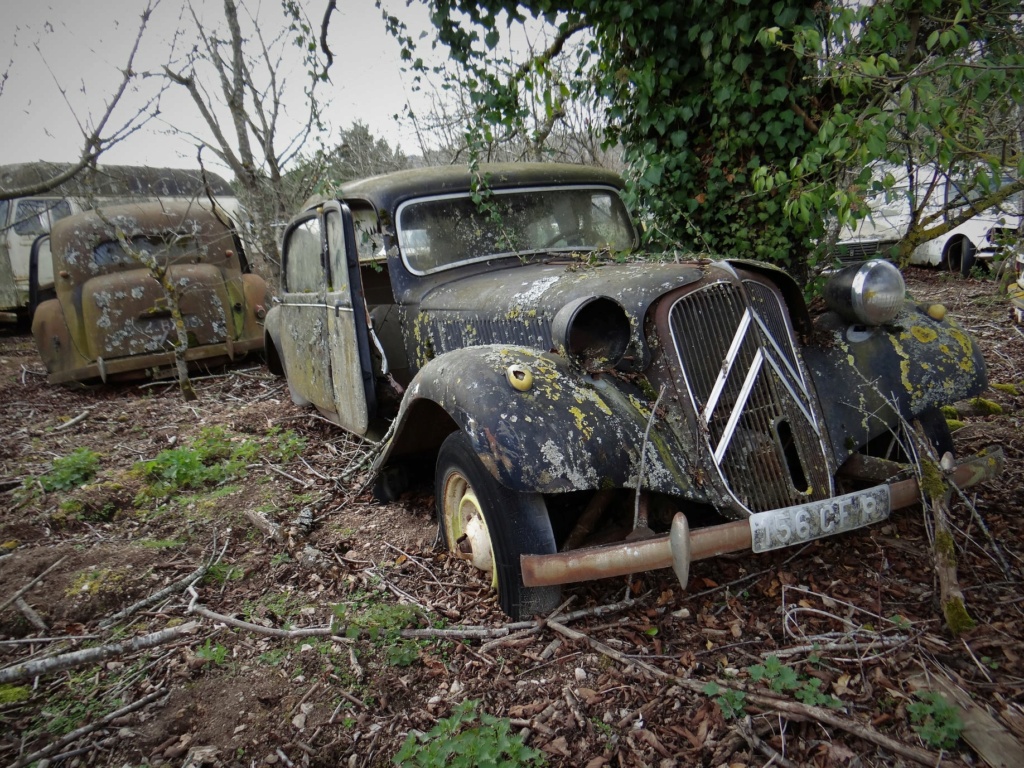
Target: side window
(30, 217)
(5, 207)
(336, 254)
(59, 210)
(304, 268)
(369, 241)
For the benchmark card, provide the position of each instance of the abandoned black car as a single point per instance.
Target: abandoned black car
(582, 406)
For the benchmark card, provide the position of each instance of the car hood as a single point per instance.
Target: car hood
(517, 306)
(542, 289)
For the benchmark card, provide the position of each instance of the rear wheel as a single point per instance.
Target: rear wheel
(490, 526)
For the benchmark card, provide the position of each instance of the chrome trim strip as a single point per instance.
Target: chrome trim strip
(739, 406)
(730, 358)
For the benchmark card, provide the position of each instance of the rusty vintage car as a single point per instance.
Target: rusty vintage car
(111, 318)
(583, 407)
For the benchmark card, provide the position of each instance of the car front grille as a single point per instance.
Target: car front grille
(753, 403)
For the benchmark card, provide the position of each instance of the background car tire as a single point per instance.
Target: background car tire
(514, 524)
(960, 256)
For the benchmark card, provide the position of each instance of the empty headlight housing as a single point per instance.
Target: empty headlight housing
(594, 330)
(871, 293)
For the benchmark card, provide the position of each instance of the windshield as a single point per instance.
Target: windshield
(445, 231)
(168, 249)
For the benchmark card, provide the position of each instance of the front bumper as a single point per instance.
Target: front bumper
(211, 354)
(761, 532)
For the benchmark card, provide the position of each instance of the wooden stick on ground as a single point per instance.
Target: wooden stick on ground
(45, 666)
(31, 584)
(75, 735)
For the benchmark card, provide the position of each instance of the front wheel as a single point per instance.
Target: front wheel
(491, 526)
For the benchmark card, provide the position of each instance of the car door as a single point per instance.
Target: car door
(303, 339)
(347, 326)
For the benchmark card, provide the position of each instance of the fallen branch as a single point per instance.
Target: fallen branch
(46, 666)
(30, 614)
(267, 528)
(31, 584)
(288, 634)
(156, 597)
(72, 422)
(75, 735)
(492, 632)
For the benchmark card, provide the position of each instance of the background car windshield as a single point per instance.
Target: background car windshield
(446, 231)
(168, 250)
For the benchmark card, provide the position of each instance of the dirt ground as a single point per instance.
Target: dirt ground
(798, 657)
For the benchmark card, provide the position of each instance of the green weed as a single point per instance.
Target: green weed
(935, 720)
(213, 653)
(730, 701)
(273, 657)
(781, 679)
(468, 739)
(71, 471)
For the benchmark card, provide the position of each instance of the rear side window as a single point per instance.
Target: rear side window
(34, 216)
(303, 257)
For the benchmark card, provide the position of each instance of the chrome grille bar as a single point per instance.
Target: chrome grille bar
(741, 370)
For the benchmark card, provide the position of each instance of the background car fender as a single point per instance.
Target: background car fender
(272, 341)
(536, 424)
(916, 363)
(57, 349)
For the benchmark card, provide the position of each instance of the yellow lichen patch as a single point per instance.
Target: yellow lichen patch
(581, 422)
(904, 364)
(585, 393)
(924, 335)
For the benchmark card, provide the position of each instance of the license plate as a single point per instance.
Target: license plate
(818, 519)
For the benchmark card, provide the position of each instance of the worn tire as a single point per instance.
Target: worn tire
(512, 524)
(960, 256)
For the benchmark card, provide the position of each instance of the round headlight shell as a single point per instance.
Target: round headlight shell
(871, 293)
(594, 330)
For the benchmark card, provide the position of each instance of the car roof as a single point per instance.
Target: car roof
(388, 191)
(85, 230)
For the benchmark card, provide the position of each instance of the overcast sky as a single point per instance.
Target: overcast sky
(81, 46)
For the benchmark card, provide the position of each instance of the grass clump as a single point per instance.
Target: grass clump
(215, 456)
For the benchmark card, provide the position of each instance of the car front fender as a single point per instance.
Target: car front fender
(538, 425)
(917, 363)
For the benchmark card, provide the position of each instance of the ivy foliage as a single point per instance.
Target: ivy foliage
(751, 129)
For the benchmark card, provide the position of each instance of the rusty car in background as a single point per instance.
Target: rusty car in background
(24, 219)
(581, 405)
(111, 318)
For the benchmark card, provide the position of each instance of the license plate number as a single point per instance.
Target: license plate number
(818, 519)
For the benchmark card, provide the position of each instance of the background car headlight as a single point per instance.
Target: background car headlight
(871, 293)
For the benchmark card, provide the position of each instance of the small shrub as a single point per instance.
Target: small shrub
(467, 740)
(935, 720)
(71, 471)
